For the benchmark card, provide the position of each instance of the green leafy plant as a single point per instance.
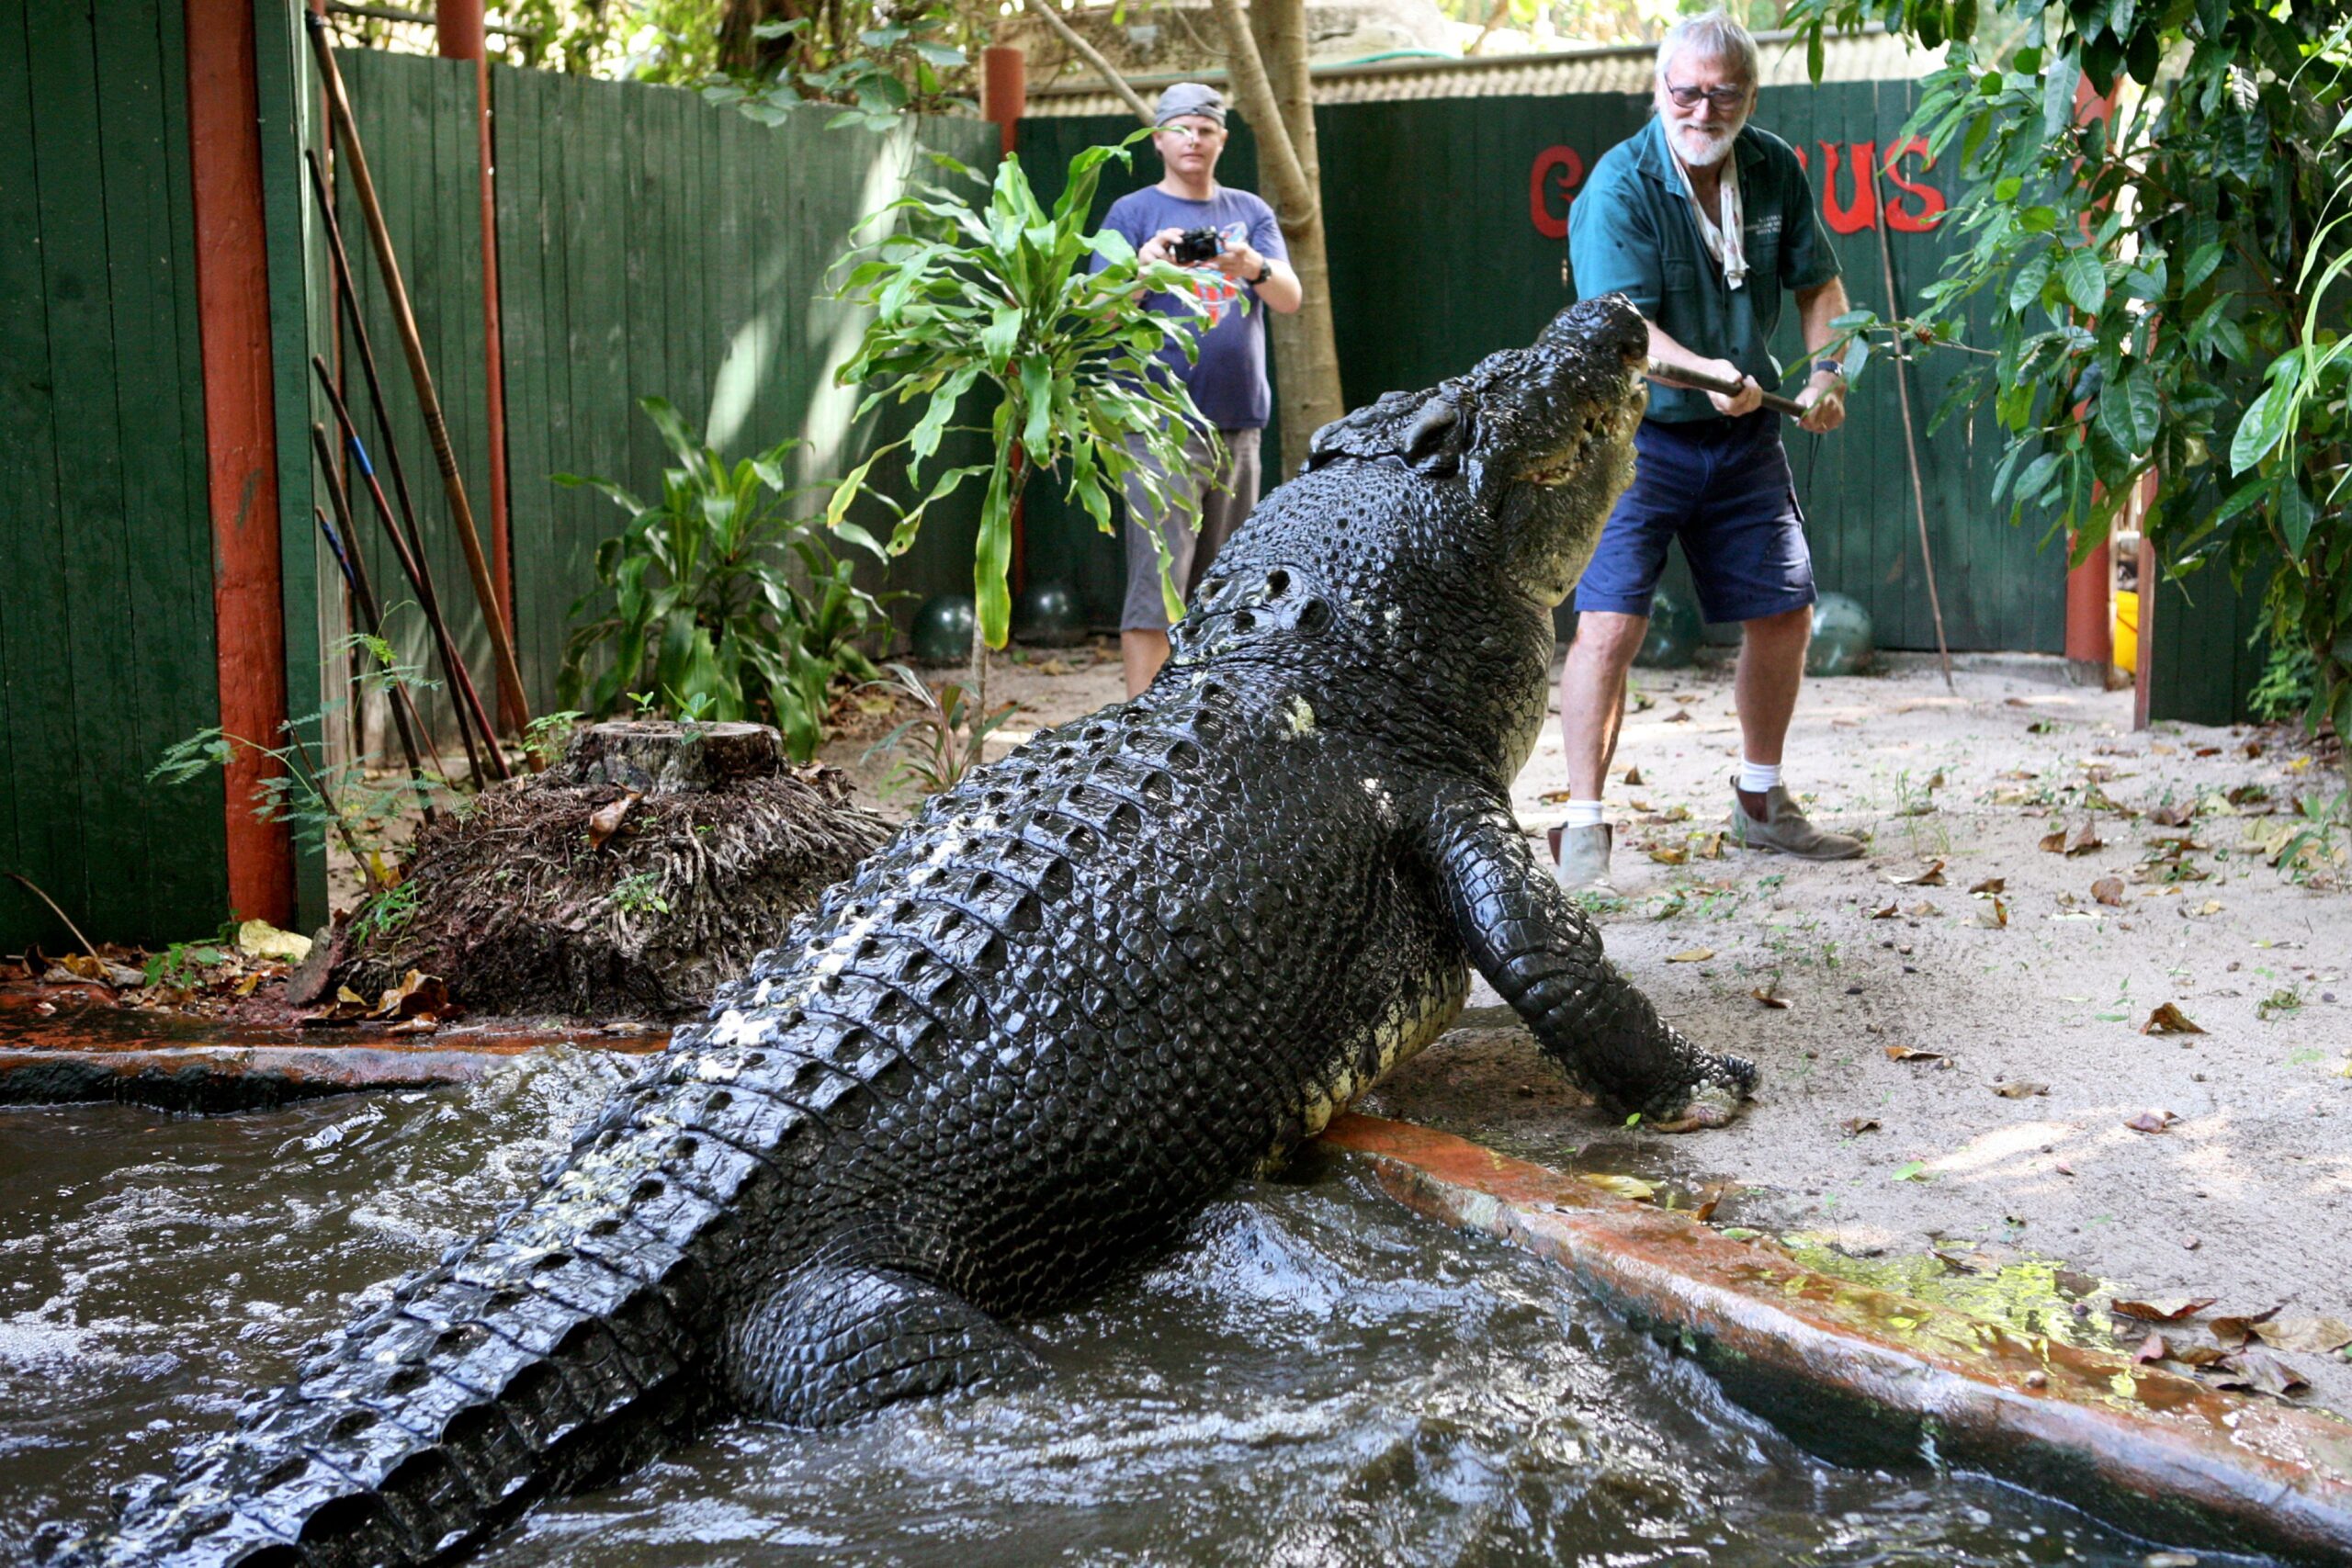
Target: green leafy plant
(361, 810)
(880, 62)
(384, 912)
(703, 610)
(641, 894)
(942, 742)
(544, 738)
(2159, 286)
(180, 966)
(1000, 297)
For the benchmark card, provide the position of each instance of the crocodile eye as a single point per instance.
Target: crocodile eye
(1314, 617)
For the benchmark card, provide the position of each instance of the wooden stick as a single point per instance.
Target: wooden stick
(465, 701)
(363, 594)
(1910, 440)
(1681, 376)
(510, 676)
(29, 882)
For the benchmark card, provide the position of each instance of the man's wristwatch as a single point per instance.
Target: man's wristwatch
(1265, 271)
(1832, 367)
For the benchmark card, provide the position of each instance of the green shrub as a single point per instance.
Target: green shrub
(704, 616)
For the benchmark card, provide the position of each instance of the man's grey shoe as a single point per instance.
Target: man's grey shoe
(1785, 831)
(1582, 854)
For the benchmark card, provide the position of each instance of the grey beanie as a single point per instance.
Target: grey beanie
(1190, 98)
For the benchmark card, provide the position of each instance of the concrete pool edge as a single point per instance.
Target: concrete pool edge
(1855, 1372)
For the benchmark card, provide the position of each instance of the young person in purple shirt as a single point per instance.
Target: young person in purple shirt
(1228, 381)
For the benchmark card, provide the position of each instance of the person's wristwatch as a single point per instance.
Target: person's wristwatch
(1832, 367)
(1265, 271)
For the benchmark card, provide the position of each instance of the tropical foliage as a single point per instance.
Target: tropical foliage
(999, 300)
(2163, 265)
(700, 612)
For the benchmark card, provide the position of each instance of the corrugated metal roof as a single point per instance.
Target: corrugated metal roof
(1872, 56)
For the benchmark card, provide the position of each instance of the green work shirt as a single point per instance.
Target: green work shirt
(1632, 228)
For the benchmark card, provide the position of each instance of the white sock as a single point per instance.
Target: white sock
(1757, 778)
(1584, 814)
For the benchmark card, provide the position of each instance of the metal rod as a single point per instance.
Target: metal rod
(465, 702)
(1910, 440)
(354, 572)
(421, 18)
(1681, 376)
(501, 647)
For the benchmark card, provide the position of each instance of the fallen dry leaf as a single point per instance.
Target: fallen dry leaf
(1668, 854)
(2176, 815)
(1764, 994)
(2211, 906)
(2234, 1331)
(2107, 890)
(2151, 1348)
(2318, 1336)
(1679, 716)
(423, 1024)
(1995, 915)
(2164, 1309)
(2152, 1121)
(1888, 913)
(1633, 778)
(2019, 1089)
(1691, 956)
(1966, 1262)
(1912, 1053)
(2198, 1355)
(1713, 1193)
(2257, 1369)
(605, 820)
(2169, 1019)
(1708, 846)
(1631, 1187)
(1856, 1125)
(1923, 906)
(1556, 796)
(1991, 887)
(1928, 875)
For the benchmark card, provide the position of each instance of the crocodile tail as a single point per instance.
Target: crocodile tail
(559, 1348)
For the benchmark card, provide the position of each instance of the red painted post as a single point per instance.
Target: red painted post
(2090, 636)
(240, 435)
(458, 24)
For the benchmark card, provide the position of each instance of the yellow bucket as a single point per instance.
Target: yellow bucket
(2126, 631)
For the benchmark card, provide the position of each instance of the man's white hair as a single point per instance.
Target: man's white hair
(1714, 36)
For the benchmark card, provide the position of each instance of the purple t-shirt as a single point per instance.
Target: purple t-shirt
(1228, 381)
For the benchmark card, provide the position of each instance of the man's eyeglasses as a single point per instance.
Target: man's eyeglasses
(1724, 98)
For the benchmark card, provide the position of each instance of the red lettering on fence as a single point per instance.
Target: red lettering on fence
(1557, 170)
(1861, 212)
(1931, 200)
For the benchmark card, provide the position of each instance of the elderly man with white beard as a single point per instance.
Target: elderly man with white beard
(1703, 219)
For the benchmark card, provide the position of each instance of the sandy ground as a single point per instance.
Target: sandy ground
(2040, 988)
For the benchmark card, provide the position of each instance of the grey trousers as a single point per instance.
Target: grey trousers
(1231, 495)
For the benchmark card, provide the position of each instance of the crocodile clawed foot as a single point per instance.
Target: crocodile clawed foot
(1715, 1100)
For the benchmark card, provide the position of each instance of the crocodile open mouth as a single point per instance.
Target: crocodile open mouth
(1563, 463)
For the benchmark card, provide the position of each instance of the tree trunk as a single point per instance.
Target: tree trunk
(1267, 50)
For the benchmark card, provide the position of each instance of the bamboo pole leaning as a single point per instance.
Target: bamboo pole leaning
(1910, 439)
(510, 676)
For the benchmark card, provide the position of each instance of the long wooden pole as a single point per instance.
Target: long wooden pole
(1910, 440)
(510, 676)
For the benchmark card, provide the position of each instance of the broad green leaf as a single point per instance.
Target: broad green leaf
(2264, 424)
(2202, 262)
(2085, 279)
(2295, 515)
(997, 340)
(2026, 287)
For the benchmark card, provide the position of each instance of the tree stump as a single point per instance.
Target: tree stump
(633, 878)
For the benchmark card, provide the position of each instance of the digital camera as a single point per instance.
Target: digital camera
(1196, 245)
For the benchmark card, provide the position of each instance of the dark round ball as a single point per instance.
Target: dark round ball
(1046, 615)
(1675, 632)
(944, 629)
(1841, 637)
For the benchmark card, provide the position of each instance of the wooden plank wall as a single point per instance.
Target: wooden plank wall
(651, 242)
(1417, 300)
(105, 622)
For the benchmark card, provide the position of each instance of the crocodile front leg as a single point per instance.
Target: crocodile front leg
(1542, 953)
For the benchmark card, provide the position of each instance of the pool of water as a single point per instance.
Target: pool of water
(1317, 1377)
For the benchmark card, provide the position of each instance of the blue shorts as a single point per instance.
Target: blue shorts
(1722, 487)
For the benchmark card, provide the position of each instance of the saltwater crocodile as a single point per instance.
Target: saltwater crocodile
(1146, 954)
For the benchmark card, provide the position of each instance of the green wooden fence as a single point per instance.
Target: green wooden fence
(1445, 219)
(106, 619)
(649, 242)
